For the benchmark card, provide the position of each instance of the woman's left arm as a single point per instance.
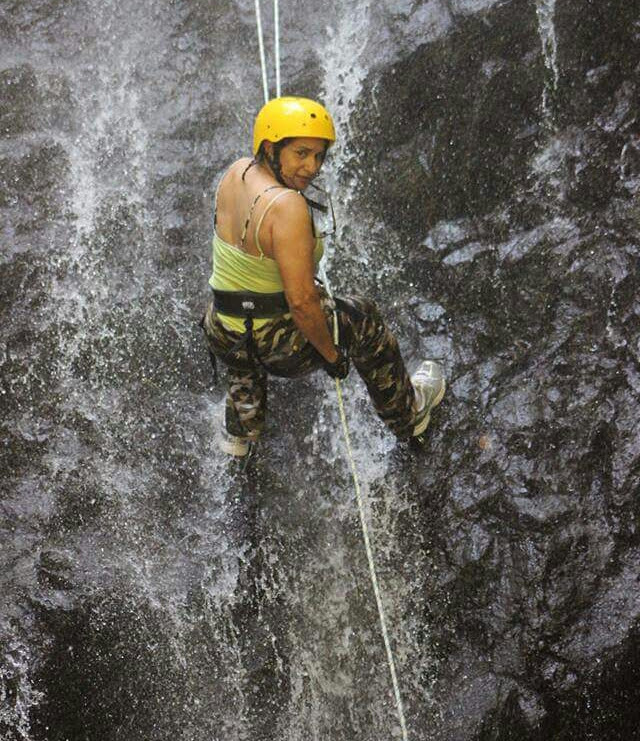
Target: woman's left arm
(293, 246)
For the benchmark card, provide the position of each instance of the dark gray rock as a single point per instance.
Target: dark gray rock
(151, 589)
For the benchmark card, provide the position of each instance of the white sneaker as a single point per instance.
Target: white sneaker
(233, 445)
(429, 384)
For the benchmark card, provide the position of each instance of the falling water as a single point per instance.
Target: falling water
(545, 10)
(548, 165)
(151, 590)
(344, 72)
(360, 253)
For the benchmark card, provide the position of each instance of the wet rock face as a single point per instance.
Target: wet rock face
(106, 670)
(461, 118)
(603, 50)
(536, 278)
(150, 591)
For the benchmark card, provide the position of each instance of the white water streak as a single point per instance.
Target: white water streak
(347, 62)
(16, 709)
(107, 157)
(545, 10)
(344, 71)
(111, 128)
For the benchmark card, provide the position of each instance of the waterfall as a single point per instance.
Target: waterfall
(153, 589)
(359, 256)
(110, 141)
(548, 166)
(545, 11)
(18, 702)
(344, 70)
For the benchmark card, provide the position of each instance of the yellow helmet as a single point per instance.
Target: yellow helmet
(286, 117)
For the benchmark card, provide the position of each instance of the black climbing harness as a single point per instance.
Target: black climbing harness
(246, 305)
(250, 304)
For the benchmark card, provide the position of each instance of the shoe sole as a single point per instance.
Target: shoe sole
(440, 395)
(427, 418)
(233, 448)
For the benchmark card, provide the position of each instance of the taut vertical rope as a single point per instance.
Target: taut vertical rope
(276, 23)
(372, 568)
(365, 534)
(263, 63)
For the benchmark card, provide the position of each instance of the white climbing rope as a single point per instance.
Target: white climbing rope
(263, 62)
(368, 548)
(343, 415)
(276, 24)
(263, 59)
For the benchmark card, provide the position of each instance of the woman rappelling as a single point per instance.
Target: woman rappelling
(269, 315)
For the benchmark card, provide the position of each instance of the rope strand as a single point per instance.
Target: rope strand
(263, 62)
(276, 23)
(372, 568)
(365, 531)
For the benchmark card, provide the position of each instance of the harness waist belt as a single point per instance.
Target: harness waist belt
(250, 304)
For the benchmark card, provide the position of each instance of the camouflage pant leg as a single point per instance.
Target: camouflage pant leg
(280, 346)
(375, 354)
(246, 403)
(284, 350)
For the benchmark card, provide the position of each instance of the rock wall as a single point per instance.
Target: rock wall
(519, 228)
(487, 180)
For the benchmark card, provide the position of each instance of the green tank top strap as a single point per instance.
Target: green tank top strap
(264, 213)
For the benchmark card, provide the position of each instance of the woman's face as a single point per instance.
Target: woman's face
(301, 160)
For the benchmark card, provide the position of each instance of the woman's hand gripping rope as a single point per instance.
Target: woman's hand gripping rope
(339, 369)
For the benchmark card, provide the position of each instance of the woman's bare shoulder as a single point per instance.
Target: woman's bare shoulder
(290, 215)
(231, 178)
(243, 162)
(239, 166)
(290, 202)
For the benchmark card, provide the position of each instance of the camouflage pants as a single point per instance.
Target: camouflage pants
(281, 346)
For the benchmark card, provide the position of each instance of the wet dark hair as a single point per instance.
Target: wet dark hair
(274, 160)
(277, 148)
